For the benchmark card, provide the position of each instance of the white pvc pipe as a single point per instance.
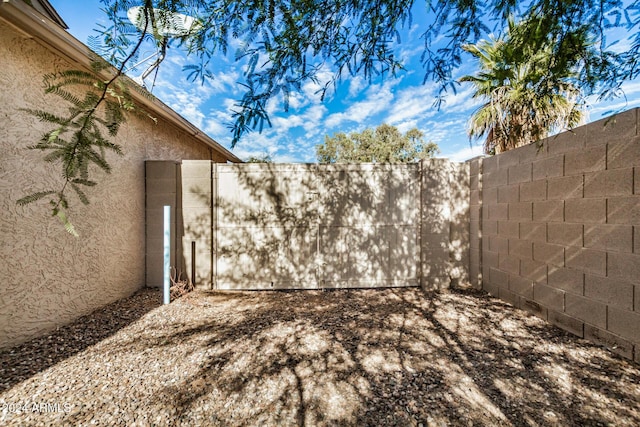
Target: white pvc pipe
(167, 253)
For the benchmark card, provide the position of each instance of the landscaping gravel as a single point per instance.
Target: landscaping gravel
(398, 357)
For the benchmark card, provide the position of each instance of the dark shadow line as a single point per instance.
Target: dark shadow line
(23, 361)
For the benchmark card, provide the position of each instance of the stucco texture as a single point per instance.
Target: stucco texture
(50, 277)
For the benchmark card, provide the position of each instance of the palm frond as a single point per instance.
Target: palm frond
(527, 95)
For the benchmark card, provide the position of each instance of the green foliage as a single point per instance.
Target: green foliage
(528, 90)
(78, 141)
(283, 44)
(263, 158)
(385, 144)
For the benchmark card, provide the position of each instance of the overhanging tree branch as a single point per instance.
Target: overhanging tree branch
(282, 44)
(87, 144)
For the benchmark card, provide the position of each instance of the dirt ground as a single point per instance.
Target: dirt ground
(398, 357)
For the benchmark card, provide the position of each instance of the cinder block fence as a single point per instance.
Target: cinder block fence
(306, 226)
(555, 230)
(552, 228)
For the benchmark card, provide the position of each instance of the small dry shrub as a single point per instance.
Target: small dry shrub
(179, 286)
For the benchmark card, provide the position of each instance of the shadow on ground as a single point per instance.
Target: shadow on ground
(349, 357)
(26, 360)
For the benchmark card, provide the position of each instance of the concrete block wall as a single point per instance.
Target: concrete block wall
(194, 215)
(161, 189)
(556, 230)
(475, 223)
(186, 186)
(272, 226)
(444, 224)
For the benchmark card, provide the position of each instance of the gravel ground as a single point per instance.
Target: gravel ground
(346, 357)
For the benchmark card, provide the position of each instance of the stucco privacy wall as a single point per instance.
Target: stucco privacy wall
(283, 226)
(49, 277)
(559, 230)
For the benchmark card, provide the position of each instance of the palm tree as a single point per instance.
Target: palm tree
(526, 82)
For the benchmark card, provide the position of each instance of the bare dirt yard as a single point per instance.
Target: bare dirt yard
(398, 357)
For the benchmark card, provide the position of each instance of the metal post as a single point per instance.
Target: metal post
(167, 253)
(193, 262)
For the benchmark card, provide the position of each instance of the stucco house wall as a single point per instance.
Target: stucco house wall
(49, 277)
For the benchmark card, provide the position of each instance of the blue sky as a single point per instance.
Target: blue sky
(403, 100)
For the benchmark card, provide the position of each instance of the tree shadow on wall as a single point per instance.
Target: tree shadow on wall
(332, 226)
(445, 224)
(384, 357)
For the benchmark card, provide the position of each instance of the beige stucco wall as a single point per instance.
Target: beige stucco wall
(49, 277)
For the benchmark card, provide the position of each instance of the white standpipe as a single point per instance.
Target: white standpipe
(167, 253)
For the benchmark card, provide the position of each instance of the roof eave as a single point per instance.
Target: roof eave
(33, 25)
(53, 13)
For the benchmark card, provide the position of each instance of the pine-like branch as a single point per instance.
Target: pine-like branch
(102, 108)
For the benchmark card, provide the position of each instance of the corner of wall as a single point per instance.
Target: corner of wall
(161, 189)
(444, 219)
(475, 221)
(558, 231)
(195, 211)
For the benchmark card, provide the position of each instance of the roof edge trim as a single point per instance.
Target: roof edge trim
(59, 41)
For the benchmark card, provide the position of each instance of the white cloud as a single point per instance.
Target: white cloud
(309, 120)
(409, 52)
(412, 103)
(224, 81)
(631, 99)
(464, 154)
(280, 148)
(285, 158)
(190, 99)
(414, 28)
(283, 124)
(225, 76)
(273, 105)
(446, 134)
(461, 101)
(313, 118)
(600, 110)
(229, 103)
(378, 99)
(310, 88)
(632, 87)
(215, 127)
(255, 144)
(407, 125)
(297, 101)
(336, 119)
(187, 102)
(356, 84)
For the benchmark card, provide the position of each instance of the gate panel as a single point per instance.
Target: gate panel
(266, 226)
(270, 226)
(310, 226)
(369, 225)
